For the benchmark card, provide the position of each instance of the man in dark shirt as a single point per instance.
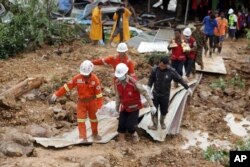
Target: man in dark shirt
(161, 77)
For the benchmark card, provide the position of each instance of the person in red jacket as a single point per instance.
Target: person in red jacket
(122, 57)
(89, 98)
(177, 57)
(128, 102)
(191, 55)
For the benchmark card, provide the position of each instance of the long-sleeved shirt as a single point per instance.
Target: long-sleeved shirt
(139, 87)
(161, 79)
(115, 60)
(209, 24)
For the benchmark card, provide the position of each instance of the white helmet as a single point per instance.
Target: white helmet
(120, 70)
(122, 47)
(230, 11)
(86, 67)
(187, 32)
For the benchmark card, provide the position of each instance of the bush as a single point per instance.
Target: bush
(222, 156)
(235, 82)
(31, 27)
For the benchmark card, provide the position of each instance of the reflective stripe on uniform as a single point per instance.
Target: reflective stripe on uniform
(133, 106)
(99, 95)
(66, 87)
(93, 120)
(104, 62)
(81, 120)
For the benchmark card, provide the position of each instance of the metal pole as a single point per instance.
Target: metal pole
(186, 13)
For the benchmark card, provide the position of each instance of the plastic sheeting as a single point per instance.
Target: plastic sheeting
(153, 47)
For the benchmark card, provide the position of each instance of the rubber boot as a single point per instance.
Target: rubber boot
(219, 50)
(163, 125)
(155, 122)
(210, 52)
(121, 137)
(135, 137)
(97, 137)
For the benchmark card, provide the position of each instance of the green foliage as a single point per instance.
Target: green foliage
(155, 57)
(218, 156)
(31, 27)
(243, 146)
(222, 156)
(236, 82)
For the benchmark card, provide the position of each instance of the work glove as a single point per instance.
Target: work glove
(53, 98)
(153, 110)
(190, 92)
(149, 92)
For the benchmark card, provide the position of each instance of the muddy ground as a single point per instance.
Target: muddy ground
(205, 112)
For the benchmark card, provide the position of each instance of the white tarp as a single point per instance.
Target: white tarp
(161, 46)
(171, 5)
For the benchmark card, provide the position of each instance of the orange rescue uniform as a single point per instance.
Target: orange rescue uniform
(89, 100)
(115, 60)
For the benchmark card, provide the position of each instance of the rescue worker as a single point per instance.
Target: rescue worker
(120, 32)
(177, 56)
(200, 38)
(220, 31)
(191, 55)
(161, 77)
(128, 102)
(89, 98)
(209, 25)
(232, 23)
(122, 57)
(96, 25)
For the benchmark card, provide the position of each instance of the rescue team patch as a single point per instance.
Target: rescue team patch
(92, 82)
(79, 81)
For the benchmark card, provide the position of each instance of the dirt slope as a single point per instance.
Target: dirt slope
(57, 67)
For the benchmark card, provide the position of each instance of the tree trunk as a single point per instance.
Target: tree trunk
(7, 98)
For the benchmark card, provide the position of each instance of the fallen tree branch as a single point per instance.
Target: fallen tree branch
(7, 98)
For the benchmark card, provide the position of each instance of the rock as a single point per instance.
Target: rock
(12, 149)
(57, 108)
(248, 93)
(144, 162)
(36, 131)
(20, 138)
(70, 106)
(229, 92)
(204, 94)
(215, 99)
(60, 116)
(2, 155)
(96, 161)
(30, 96)
(30, 162)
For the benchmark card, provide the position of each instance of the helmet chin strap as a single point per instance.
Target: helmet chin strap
(123, 78)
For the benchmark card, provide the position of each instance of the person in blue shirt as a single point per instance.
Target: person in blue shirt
(210, 23)
(65, 7)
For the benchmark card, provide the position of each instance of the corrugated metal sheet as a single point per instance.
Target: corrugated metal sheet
(214, 64)
(108, 124)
